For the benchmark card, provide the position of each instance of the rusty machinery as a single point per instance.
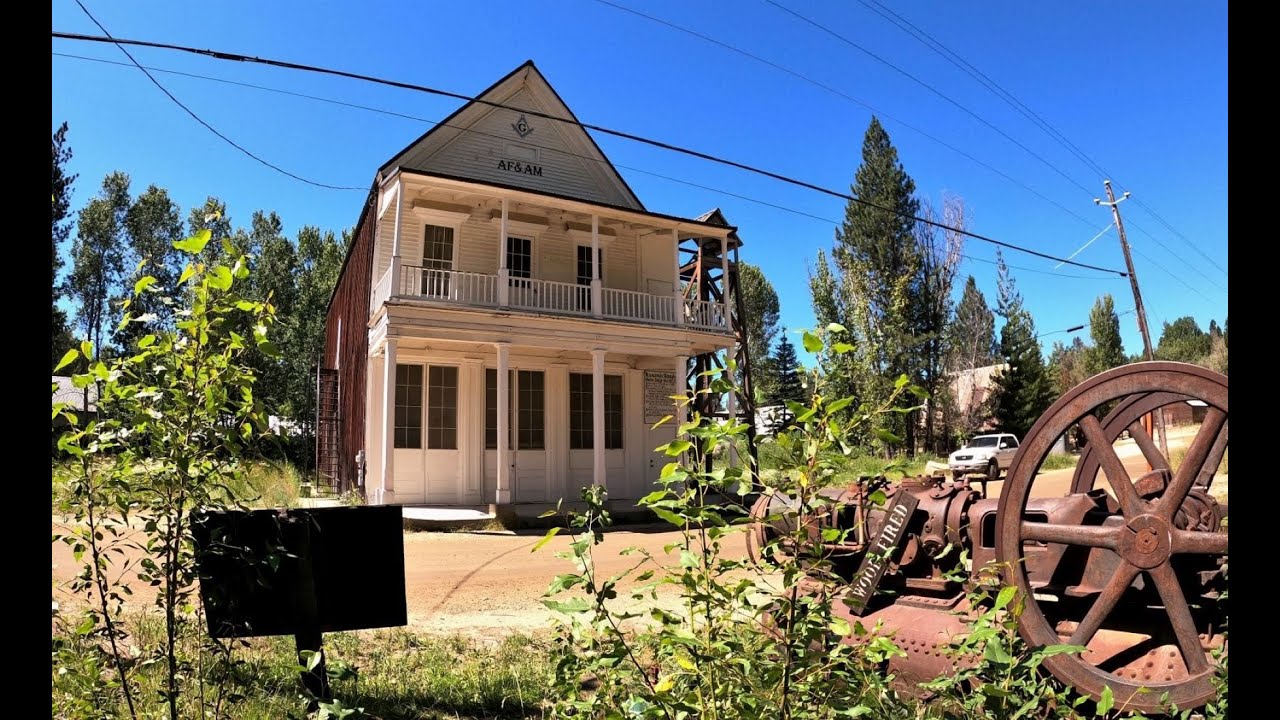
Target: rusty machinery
(1129, 565)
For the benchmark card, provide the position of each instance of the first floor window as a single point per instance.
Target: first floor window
(531, 410)
(581, 412)
(408, 430)
(528, 388)
(442, 407)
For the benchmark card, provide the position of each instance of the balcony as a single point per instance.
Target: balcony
(468, 289)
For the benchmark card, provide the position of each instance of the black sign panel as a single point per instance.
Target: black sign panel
(882, 546)
(273, 572)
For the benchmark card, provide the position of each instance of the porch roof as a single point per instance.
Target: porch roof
(687, 226)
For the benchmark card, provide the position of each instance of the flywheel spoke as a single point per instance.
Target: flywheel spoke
(1104, 604)
(1184, 627)
(1198, 542)
(1215, 422)
(1117, 476)
(1087, 535)
(1143, 440)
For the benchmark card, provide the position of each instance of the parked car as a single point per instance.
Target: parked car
(986, 454)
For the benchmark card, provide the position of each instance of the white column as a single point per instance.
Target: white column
(504, 426)
(386, 494)
(597, 416)
(724, 281)
(396, 288)
(597, 289)
(677, 297)
(504, 287)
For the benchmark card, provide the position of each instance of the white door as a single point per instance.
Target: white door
(527, 454)
(441, 458)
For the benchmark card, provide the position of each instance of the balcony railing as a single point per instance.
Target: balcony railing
(549, 296)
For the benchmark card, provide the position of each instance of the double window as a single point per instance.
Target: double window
(581, 412)
(442, 407)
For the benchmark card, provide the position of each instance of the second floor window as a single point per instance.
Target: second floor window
(437, 260)
(519, 260)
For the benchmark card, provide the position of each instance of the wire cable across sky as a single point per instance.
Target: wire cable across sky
(587, 126)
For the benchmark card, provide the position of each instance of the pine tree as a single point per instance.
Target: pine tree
(152, 224)
(1104, 329)
(1183, 341)
(875, 282)
(760, 311)
(789, 385)
(972, 332)
(1023, 390)
(60, 335)
(98, 257)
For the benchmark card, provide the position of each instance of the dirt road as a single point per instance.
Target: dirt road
(490, 584)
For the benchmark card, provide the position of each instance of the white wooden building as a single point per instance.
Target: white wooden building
(510, 319)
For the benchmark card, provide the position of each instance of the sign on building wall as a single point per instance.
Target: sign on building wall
(659, 386)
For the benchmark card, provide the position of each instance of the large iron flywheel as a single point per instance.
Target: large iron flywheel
(1150, 621)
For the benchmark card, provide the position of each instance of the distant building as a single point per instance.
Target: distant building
(971, 390)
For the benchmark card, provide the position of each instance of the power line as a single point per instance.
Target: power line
(200, 120)
(930, 88)
(416, 118)
(1078, 328)
(587, 126)
(955, 59)
(1166, 271)
(852, 99)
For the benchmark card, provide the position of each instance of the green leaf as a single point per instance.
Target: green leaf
(572, 605)
(839, 405)
(812, 343)
(194, 244)
(841, 348)
(147, 341)
(220, 278)
(1106, 701)
(67, 359)
(669, 516)
(676, 447)
(901, 382)
(836, 327)
(887, 437)
(840, 626)
(1005, 597)
(546, 539)
(187, 272)
(143, 284)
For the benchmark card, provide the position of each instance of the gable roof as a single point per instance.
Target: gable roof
(523, 89)
(715, 217)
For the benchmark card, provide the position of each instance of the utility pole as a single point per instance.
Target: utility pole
(1114, 204)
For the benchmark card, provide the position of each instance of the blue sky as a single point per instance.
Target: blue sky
(1140, 87)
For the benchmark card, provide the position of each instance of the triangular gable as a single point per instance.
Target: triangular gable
(716, 217)
(509, 147)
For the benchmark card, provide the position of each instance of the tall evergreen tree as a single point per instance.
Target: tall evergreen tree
(789, 385)
(972, 333)
(60, 334)
(152, 224)
(1183, 341)
(876, 278)
(761, 309)
(1023, 390)
(98, 256)
(211, 216)
(1069, 365)
(1104, 329)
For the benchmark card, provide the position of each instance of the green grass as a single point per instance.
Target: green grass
(263, 484)
(851, 467)
(397, 674)
(1058, 461)
(1177, 455)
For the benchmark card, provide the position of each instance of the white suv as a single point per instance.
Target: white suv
(986, 454)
